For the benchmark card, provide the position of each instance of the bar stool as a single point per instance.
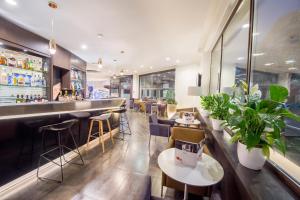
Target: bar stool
(124, 124)
(60, 129)
(100, 119)
(80, 116)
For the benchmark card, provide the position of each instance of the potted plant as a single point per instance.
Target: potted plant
(219, 110)
(206, 103)
(171, 103)
(258, 124)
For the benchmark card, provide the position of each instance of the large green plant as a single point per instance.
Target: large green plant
(220, 106)
(259, 122)
(206, 102)
(170, 97)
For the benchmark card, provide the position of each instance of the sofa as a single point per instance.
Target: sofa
(190, 135)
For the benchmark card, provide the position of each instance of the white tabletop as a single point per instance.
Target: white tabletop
(207, 172)
(182, 121)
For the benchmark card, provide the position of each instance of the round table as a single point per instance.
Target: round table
(187, 123)
(207, 172)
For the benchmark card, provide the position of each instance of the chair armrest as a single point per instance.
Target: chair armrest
(166, 121)
(159, 129)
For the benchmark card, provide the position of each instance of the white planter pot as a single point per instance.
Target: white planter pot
(204, 113)
(216, 124)
(171, 110)
(253, 159)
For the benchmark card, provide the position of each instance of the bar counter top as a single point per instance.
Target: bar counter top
(26, 110)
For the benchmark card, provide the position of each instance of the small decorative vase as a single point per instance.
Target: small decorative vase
(217, 124)
(253, 159)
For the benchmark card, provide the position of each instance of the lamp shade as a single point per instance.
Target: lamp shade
(194, 91)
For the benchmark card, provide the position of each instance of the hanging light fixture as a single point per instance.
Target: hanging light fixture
(52, 43)
(114, 76)
(52, 46)
(100, 63)
(122, 72)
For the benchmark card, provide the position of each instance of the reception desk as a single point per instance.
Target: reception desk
(20, 142)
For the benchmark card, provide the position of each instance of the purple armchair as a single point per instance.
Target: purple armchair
(148, 107)
(131, 103)
(158, 129)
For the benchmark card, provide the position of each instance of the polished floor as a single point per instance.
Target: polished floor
(90, 182)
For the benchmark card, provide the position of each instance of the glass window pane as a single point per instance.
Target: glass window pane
(275, 59)
(215, 68)
(156, 83)
(235, 48)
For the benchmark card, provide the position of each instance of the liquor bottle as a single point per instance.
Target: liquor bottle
(4, 80)
(27, 99)
(18, 100)
(15, 79)
(27, 79)
(33, 80)
(10, 78)
(3, 59)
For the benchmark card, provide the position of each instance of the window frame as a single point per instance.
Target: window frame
(281, 174)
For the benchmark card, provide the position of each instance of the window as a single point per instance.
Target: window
(235, 48)
(215, 68)
(276, 59)
(157, 85)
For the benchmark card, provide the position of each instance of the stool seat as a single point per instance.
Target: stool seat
(102, 117)
(59, 127)
(80, 115)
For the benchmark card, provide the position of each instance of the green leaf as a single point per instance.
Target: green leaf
(266, 150)
(278, 93)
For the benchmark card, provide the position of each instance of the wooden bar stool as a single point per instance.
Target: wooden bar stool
(100, 119)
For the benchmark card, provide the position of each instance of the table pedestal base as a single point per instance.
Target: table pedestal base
(186, 193)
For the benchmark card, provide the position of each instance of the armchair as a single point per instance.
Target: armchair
(157, 129)
(190, 135)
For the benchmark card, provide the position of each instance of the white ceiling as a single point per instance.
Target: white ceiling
(147, 30)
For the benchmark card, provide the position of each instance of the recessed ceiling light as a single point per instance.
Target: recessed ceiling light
(258, 54)
(168, 58)
(25, 50)
(151, 67)
(83, 46)
(240, 58)
(245, 26)
(269, 64)
(1, 43)
(99, 35)
(292, 68)
(141, 66)
(177, 61)
(11, 2)
(289, 61)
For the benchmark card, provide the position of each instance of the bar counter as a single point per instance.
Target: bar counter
(26, 110)
(20, 141)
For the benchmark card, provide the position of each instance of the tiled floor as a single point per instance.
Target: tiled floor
(90, 181)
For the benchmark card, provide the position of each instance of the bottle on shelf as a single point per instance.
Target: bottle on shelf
(18, 100)
(10, 77)
(4, 78)
(3, 59)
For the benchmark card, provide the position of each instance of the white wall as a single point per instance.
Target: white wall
(186, 76)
